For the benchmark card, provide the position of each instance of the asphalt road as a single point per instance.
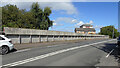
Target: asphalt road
(82, 53)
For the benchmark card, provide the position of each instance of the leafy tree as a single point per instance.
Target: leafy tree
(42, 20)
(47, 12)
(36, 18)
(10, 16)
(37, 14)
(0, 18)
(108, 30)
(27, 20)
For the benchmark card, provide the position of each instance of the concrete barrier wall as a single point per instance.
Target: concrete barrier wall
(20, 35)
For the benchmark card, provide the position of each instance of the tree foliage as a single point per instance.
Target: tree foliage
(108, 30)
(0, 13)
(35, 18)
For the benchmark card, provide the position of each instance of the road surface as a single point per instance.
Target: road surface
(82, 53)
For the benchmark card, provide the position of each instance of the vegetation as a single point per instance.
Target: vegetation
(108, 30)
(0, 19)
(35, 18)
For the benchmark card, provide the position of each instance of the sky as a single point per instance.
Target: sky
(96, 13)
(70, 15)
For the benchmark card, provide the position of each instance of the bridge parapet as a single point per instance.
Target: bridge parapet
(21, 35)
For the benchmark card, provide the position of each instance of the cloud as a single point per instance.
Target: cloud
(65, 20)
(67, 29)
(57, 24)
(61, 0)
(54, 24)
(74, 21)
(98, 27)
(67, 7)
(79, 24)
(91, 22)
(36, 0)
(61, 6)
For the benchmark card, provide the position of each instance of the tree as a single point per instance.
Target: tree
(36, 18)
(47, 12)
(37, 14)
(27, 20)
(108, 30)
(42, 20)
(0, 18)
(11, 16)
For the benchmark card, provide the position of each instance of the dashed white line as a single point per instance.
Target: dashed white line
(49, 54)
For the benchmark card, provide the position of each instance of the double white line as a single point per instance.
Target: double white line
(49, 54)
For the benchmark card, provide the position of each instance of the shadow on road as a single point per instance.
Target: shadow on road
(108, 48)
(14, 50)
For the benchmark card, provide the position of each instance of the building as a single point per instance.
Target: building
(85, 29)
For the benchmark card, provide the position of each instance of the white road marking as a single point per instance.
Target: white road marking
(22, 50)
(49, 46)
(117, 59)
(117, 46)
(52, 46)
(110, 53)
(49, 54)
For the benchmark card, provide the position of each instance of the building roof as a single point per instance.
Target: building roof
(85, 29)
(86, 25)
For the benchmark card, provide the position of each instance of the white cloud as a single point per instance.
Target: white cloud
(36, 0)
(65, 20)
(79, 24)
(57, 24)
(66, 29)
(67, 7)
(61, 0)
(54, 24)
(61, 6)
(91, 22)
(74, 21)
(98, 27)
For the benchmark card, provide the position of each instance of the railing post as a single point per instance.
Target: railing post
(47, 38)
(58, 37)
(39, 38)
(53, 38)
(20, 39)
(30, 39)
(63, 37)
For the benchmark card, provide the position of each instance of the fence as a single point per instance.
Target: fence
(20, 35)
